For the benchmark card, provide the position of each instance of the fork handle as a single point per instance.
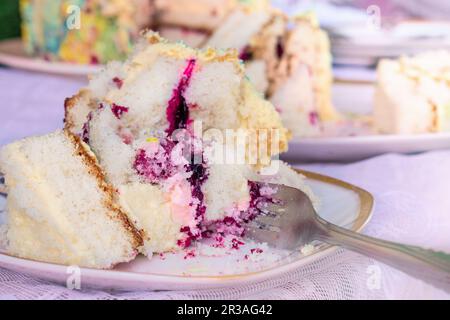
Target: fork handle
(430, 266)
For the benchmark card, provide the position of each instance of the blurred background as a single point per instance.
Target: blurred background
(361, 31)
(350, 10)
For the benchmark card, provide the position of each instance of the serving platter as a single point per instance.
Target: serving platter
(340, 203)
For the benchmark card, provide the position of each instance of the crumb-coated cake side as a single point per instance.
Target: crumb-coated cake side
(59, 207)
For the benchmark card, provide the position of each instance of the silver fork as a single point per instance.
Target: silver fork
(289, 221)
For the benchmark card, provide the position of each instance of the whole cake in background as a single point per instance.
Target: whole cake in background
(141, 163)
(413, 94)
(288, 59)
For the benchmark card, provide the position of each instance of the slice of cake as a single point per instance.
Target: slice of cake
(59, 208)
(301, 82)
(413, 94)
(288, 59)
(181, 133)
(86, 32)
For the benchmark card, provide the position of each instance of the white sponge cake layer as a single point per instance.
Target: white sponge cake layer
(146, 92)
(215, 91)
(59, 209)
(413, 94)
(115, 156)
(150, 210)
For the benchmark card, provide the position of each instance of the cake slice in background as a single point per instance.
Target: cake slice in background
(288, 59)
(211, 83)
(413, 94)
(171, 175)
(86, 32)
(302, 80)
(59, 208)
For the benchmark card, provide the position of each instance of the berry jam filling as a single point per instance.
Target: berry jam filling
(158, 161)
(118, 82)
(279, 48)
(118, 111)
(155, 165)
(313, 118)
(235, 244)
(178, 111)
(85, 129)
(196, 180)
(260, 197)
(246, 54)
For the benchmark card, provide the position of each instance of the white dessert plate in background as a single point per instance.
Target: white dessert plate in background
(345, 149)
(12, 54)
(341, 203)
(357, 44)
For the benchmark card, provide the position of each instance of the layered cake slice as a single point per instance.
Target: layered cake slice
(59, 208)
(181, 133)
(302, 79)
(287, 58)
(413, 94)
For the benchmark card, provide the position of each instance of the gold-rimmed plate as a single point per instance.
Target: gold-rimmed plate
(341, 203)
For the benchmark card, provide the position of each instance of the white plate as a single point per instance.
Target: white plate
(13, 55)
(359, 45)
(357, 98)
(341, 203)
(344, 149)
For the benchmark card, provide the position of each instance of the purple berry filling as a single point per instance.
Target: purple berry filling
(118, 111)
(118, 82)
(246, 54)
(313, 118)
(280, 48)
(85, 130)
(198, 177)
(157, 167)
(178, 111)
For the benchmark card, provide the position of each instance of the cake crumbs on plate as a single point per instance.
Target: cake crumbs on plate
(307, 249)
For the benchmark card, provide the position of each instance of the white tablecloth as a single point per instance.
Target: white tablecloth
(412, 206)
